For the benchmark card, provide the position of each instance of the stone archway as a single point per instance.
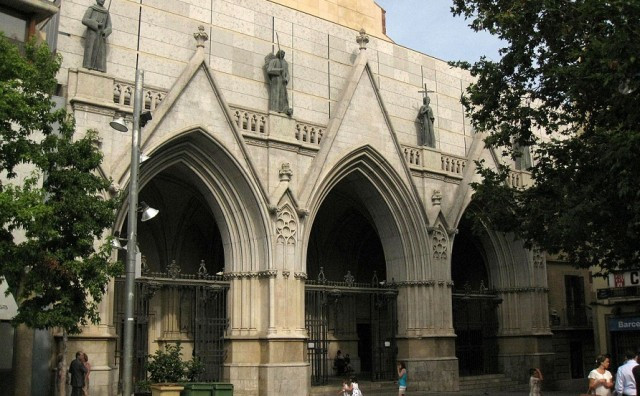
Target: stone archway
(475, 304)
(207, 206)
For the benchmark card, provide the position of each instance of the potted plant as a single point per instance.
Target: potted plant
(166, 371)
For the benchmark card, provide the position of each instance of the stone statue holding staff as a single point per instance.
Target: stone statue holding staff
(426, 117)
(98, 24)
(278, 74)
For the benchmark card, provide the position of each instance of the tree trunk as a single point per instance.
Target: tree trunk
(62, 367)
(22, 360)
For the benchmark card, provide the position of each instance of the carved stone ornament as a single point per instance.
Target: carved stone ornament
(200, 37)
(439, 245)
(538, 258)
(285, 172)
(436, 197)
(362, 39)
(286, 227)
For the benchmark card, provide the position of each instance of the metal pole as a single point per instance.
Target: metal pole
(132, 243)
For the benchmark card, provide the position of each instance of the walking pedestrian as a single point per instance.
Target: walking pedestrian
(77, 371)
(402, 378)
(600, 379)
(625, 383)
(535, 382)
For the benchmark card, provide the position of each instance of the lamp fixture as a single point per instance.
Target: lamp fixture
(148, 212)
(119, 124)
(143, 157)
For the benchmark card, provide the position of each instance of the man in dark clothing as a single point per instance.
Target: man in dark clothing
(77, 370)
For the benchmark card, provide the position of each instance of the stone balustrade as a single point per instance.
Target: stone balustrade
(250, 121)
(308, 133)
(519, 179)
(428, 159)
(123, 92)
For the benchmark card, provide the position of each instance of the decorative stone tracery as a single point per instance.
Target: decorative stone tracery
(439, 244)
(286, 227)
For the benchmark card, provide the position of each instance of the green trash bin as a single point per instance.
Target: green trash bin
(197, 389)
(207, 389)
(220, 389)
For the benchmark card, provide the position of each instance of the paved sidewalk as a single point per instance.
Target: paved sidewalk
(390, 389)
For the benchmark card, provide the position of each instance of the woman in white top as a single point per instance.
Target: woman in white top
(600, 379)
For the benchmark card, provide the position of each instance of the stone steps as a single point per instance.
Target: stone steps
(490, 382)
(367, 387)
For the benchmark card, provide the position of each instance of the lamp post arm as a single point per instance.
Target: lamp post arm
(132, 229)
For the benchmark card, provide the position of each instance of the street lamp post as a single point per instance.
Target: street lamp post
(132, 227)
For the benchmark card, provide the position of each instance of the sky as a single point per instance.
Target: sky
(428, 26)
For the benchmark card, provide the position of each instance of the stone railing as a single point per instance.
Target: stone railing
(519, 179)
(451, 164)
(308, 133)
(428, 159)
(250, 121)
(123, 95)
(413, 155)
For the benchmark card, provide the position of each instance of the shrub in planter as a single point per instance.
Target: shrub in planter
(193, 369)
(166, 366)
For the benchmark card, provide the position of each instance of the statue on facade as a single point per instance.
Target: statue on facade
(278, 74)
(98, 24)
(425, 115)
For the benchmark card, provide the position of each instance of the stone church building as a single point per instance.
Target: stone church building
(287, 235)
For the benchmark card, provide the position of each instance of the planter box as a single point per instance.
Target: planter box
(166, 389)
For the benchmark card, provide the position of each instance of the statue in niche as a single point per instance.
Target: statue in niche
(278, 74)
(98, 24)
(425, 115)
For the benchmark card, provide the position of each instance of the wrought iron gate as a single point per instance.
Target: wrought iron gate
(210, 325)
(325, 302)
(204, 302)
(475, 323)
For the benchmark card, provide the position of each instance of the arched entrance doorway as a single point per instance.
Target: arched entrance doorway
(207, 206)
(179, 297)
(475, 303)
(350, 305)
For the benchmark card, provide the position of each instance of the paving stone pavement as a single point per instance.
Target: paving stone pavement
(389, 389)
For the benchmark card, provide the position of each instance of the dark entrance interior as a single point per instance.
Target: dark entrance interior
(350, 306)
(364, 346)
(182, 253)
(475, 305)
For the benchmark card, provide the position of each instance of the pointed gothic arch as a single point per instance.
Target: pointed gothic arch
(391, 205)
(198, 159)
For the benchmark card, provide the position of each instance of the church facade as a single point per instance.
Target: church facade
(289, 232)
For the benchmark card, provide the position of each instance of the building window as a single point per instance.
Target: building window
(13, 26)
(574, 289)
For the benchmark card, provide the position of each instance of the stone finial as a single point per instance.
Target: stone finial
(362, 39)
(436, 197)
(285, 172)
(200, 37)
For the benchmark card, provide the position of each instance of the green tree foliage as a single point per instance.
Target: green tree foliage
(570, 70)
(53, 204)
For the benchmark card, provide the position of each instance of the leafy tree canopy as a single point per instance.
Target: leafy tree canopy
(568, 86)
(53, 203)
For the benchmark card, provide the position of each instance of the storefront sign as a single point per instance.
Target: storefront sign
(624, 279)
(624, 324)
